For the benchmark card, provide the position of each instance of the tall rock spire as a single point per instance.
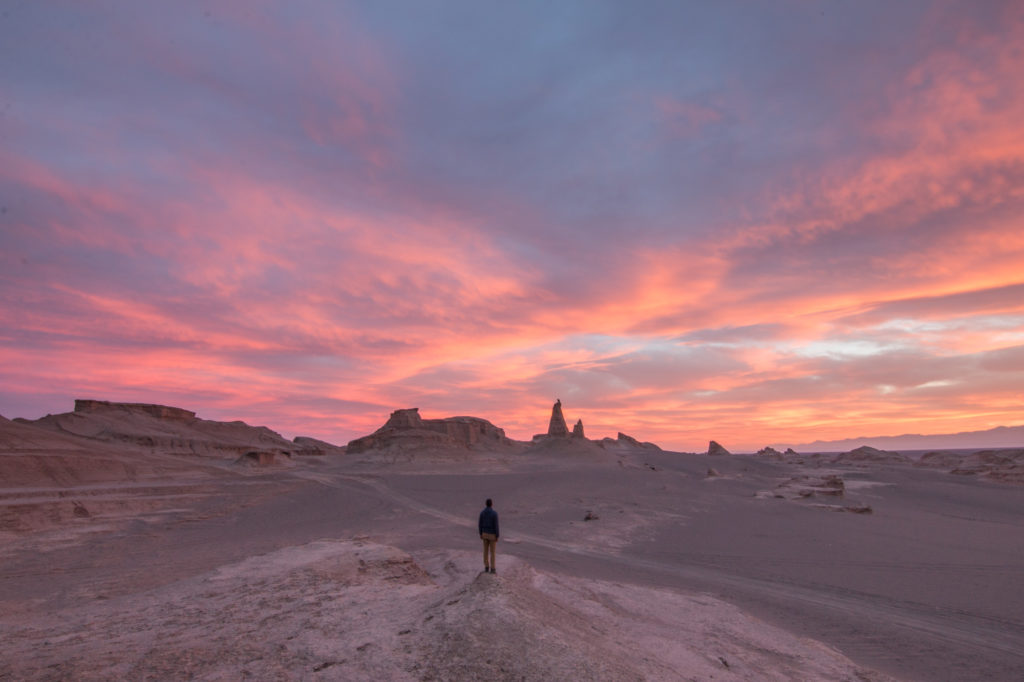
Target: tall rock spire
(557, 427)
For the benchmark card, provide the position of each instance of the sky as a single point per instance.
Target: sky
(751, 222)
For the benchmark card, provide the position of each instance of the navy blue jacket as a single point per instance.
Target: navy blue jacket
(489, 521)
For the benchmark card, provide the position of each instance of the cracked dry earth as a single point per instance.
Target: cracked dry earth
(355, 609)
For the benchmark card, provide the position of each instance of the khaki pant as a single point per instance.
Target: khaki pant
(490, 542)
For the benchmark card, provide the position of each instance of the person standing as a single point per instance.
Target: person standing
(488, 526)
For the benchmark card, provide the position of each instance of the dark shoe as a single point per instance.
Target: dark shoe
(494, 571)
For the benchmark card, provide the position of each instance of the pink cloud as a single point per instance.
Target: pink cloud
(685, 118)
(310, 281)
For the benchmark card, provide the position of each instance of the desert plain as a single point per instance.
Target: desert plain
(142, 542)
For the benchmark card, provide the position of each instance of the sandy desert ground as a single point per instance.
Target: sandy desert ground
(144, 545)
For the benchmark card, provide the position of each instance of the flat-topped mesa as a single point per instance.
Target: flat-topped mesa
(405, 429)
(557, 426)
(577, 430)
(158, 411)
(165, 430)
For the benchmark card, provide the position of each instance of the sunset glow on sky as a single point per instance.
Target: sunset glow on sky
(754, 222)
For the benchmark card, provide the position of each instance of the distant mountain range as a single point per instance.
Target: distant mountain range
(999, 437)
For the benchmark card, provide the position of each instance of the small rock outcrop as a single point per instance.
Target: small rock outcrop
(866, 453)
(405, 419)
(715, 449)
(1003, 465)
(624, 442)
(577, 430)
(557, 426)
(808, 488)
(939, 458)
(769, 452)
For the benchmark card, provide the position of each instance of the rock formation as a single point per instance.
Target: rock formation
(808, 488)
(406, 430)
(715, 449)
(164, 429)
(769, 452)
(866, 453)
(313, 446)
(1004, 465)
(405, 419)
(558, 431)
(624, 442)
(557, 426)
(940, 458)
(158, 411)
